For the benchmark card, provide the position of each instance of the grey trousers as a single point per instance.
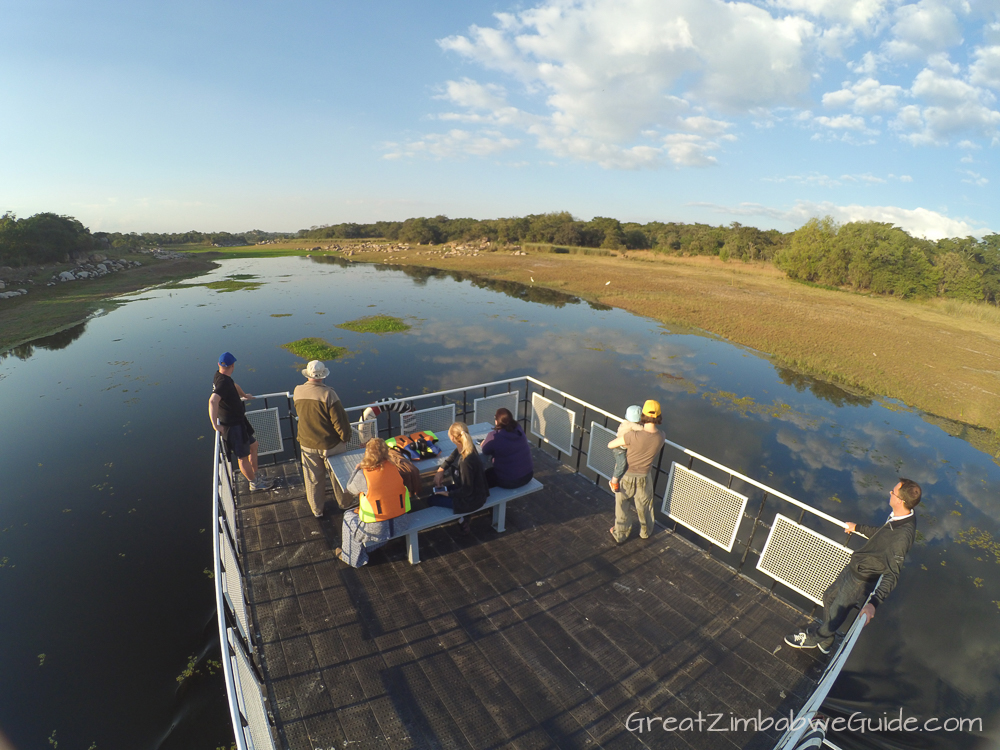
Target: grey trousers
(314, 473)
(634, 501)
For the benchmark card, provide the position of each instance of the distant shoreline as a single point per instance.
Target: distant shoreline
(47, 310)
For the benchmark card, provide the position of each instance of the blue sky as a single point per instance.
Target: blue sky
(147, 116)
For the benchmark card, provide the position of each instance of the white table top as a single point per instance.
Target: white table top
(342, 466)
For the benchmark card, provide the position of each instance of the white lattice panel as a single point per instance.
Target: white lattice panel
(251, 701)
(801, 558)
(552, 423)
(232, 584)
(706, 507)
(484, 409)
(600, 459)
(267, 430)
(361, 433)
(437, 419)
(227, 502)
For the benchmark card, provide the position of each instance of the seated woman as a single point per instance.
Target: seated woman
(409, 472)
(512, 464)
(384, 499)
(469, 491)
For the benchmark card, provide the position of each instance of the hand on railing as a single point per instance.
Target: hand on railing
(868, 611)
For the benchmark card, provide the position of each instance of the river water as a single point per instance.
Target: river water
(105, 599)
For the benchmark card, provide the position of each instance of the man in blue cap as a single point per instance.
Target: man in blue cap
(228, 416)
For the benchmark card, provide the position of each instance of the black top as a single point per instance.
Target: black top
(231, 408)
(470, 490)
(883, 554)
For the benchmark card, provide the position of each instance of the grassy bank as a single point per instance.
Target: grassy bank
(939, 356)
(48, 309)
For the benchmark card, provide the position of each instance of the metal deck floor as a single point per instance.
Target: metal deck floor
(548, 635)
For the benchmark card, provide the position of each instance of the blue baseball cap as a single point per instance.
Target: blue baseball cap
(633, 413)
(227, 359)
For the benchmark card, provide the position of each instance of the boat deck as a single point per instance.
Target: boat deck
(547, 635)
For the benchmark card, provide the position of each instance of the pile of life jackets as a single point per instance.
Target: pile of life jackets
(416, 446)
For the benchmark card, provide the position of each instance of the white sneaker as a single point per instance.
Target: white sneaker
(261, 483)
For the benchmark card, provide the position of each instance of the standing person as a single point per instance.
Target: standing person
(324, 430)
(636, 487)
(882, 555)
(228, 416)
(470, 489)
(507, 444)
(384, 498)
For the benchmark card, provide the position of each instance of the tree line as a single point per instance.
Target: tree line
(50, 238)
(734, 241)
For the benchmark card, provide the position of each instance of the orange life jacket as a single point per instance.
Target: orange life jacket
(387, 496)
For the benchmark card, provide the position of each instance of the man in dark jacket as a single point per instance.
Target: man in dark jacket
(882, 555)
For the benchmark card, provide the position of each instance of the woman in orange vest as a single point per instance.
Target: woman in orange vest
(384, 499)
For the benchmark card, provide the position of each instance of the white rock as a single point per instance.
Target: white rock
(67, 276)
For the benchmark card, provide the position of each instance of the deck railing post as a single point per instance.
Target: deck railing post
(753, 531)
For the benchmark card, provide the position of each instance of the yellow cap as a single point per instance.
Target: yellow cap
(651, 408)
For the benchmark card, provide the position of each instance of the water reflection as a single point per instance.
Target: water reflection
(53, 342)
(105, 492)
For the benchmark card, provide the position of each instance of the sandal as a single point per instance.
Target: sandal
(465, 525)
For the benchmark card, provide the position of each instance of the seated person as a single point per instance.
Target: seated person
(409, 472)
(384, 499)
(507, 444)
(465, 468)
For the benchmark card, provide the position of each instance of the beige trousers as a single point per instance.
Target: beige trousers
(634, 500)
(314, 472)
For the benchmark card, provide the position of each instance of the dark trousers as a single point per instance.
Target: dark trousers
(838, 599)
(492, 480)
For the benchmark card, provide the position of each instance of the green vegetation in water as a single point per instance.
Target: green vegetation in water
(281, 315)
(191, 669)
(375, 324)
(979, 539)
(229, 285)
(315, 348)
(747, 406)
(242, 276)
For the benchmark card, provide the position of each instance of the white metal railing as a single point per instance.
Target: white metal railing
(247, 701)
(803, 720)
(570, 429)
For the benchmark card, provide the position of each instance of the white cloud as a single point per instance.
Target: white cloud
(956, 106)
(923, 28)
(451, 144)
(985, 71)
(604, 74)
(920, 222)
(865, 96)
(823, 180)
(974, 178)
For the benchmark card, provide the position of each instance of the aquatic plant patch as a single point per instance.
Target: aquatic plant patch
(375, 324)
(315, 348)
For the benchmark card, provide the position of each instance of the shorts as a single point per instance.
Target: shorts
(240, 437)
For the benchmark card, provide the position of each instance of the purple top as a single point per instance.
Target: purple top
(511, 453)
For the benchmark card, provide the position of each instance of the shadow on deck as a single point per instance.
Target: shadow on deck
(548, 635)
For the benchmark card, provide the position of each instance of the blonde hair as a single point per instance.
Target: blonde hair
(376, 453)
(459, 434)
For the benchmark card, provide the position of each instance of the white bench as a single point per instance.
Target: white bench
(429, 518)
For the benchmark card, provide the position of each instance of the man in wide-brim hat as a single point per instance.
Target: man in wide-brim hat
(324, 430)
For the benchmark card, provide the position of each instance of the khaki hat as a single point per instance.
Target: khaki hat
(651, 408)
(316, 370)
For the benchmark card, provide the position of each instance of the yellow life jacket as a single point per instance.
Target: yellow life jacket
(387, 496)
